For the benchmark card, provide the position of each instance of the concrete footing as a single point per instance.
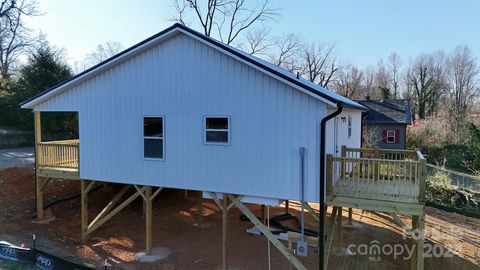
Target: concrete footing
(158, 253)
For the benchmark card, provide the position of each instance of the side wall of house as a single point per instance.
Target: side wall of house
(184, 80)
(375, 134)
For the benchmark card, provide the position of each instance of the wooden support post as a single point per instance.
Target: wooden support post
(38, 179)
(39, 183)
(287, 205)
(148, 220)
(84, 207)
(418, 226)
(273, 239)
(200, 212)
(329, 236)
(350, 216)
(339, 228)
(264, 219)
(224, 231)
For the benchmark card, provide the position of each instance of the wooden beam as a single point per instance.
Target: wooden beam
(110, 205)
(224, 231)
(418, 224)
(112, 213)
(377, 205)
(148, 220)
(350, 216)
(312, 212)
(329, 236)
(38, 156)
(140, 192)
(59, 173)
(45, 182)
(274, 240)
(84, 209)
(90, 186)
(339, 228)
(155, 194)
(216, 200)
(398, 221)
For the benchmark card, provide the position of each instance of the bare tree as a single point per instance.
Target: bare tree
(462, 78)
(369, 89)
(257, 42)
(228, 17)
(425, 76)
(104, 51)
(14, 36)
(394, 64)
(285, 52)
(382, 81)
(350, 83)
(319, 63)
(101, 53)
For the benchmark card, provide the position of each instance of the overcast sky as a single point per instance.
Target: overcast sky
(363, 31)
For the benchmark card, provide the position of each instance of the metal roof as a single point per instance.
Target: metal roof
(144, 45)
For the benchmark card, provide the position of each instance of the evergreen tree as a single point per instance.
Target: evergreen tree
(44, 69)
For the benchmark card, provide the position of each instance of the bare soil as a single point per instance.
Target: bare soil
(175, 219)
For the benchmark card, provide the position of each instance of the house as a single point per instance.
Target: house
(385, 122)
(182, 110)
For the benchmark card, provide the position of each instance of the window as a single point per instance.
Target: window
(391, 136)
(217, 130)
(153, 137)
(349, 126)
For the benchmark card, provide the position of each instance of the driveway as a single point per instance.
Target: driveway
(17, 157)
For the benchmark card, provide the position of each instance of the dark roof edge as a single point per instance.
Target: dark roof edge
(209, 40)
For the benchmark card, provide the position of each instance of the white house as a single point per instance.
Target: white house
(182, 110)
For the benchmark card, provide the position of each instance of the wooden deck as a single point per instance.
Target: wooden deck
(58, 159)
(376, 175)
(378, 180)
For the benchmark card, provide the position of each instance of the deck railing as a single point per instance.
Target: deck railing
(58, 154)
(391, 175)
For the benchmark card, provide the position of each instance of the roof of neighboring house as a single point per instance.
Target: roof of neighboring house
(387, 111)
(268, 68)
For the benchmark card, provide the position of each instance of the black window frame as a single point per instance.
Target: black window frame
(150, 138)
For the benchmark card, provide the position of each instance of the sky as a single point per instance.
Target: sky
(362, 31)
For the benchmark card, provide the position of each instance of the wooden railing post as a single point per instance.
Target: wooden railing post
(422, 177)
(328, 177)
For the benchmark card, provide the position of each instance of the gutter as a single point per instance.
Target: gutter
(321, 231)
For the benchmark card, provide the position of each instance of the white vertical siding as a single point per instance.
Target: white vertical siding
(184, 80)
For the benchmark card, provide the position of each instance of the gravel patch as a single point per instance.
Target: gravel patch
(17, 157)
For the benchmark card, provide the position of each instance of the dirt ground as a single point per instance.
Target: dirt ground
(175, 219)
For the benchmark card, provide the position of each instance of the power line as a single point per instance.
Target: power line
(91, 26)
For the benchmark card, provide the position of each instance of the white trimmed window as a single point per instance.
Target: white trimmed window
(217, 130)
(153, 137)
(391, 136)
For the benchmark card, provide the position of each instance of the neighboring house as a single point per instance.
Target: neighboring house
(182, 110)
(385, 123)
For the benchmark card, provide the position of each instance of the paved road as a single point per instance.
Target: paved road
(16, 157)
